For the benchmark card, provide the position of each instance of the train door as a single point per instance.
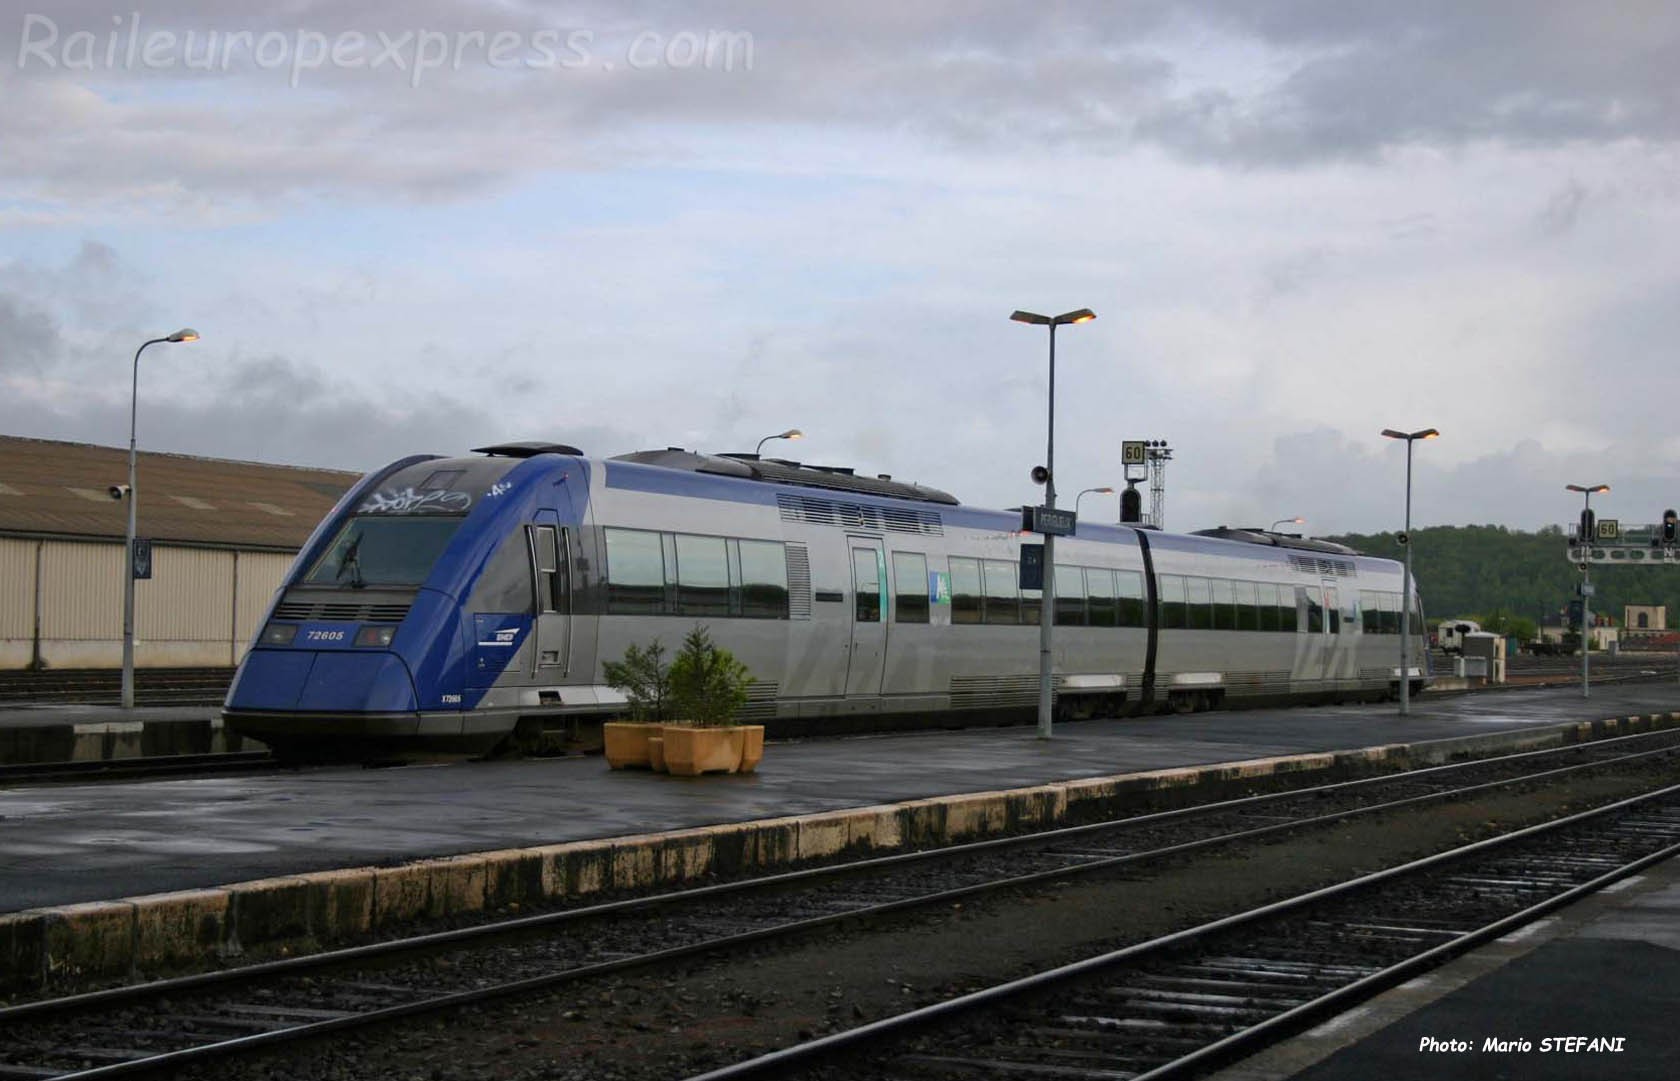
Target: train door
(868, 653)
(1330, 598)
(550, 546)
(1312, 641)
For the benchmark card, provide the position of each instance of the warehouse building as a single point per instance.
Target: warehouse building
(223, 534)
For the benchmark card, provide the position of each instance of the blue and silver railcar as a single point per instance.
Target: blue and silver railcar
(450, 605)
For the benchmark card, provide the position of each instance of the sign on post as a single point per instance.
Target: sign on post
(1134, 452)
(1050, 523)
(142, 558)
(1032, 566)
(1609, 529)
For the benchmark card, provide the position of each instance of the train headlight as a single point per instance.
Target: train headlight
(375, 636)
(279, 634)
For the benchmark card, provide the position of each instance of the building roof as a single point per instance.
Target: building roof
(52, 488)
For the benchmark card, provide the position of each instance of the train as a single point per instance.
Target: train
(466, 606)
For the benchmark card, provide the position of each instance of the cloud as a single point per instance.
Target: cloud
(1275, 85)
(30, 337)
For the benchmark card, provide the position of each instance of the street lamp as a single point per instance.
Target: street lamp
(1285, 521)
(1586, 491)
(1047, 609)
(1085, 492)
(791, 433)
(185, 334)
(1406, 578)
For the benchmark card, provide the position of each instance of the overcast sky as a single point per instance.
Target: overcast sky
(430, 224)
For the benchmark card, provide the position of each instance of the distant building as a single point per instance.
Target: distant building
(223, 535)
(1644, 617)
(1645, 629)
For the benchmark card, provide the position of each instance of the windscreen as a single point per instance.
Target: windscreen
(384, 550)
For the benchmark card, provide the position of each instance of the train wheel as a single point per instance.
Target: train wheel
(1183, 702)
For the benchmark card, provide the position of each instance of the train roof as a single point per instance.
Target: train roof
(1276, 540)
(783, 471)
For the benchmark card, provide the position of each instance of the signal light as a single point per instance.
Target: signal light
(1671, 526)
(1131, 505)
(1587, 520)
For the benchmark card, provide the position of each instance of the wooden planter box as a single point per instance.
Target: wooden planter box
(691, 751)
(626, 743)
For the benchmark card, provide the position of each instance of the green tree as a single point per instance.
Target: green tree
(708, 685)
(645, 680)
(1461, 570)
(1506, 623)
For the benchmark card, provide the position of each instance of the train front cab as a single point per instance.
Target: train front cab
(396, 620)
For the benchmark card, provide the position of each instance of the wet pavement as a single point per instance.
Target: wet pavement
(63, 844)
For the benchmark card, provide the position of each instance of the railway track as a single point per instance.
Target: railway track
(1187, 1002)
(103, 686)
(138, 768)
(168, 1024)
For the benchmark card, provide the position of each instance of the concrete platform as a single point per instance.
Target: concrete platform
(1588, 994)
(73, 733)
(120, 878)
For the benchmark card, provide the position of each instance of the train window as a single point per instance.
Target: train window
(1032, 601)
(1417, 617)
(1070, 595)
(384, 550)
(1003, 595)
(1132, 600)
(866, 581)
(966, 605)
(1224, 605)
(1248, 616)
(1100, 604)
(545, 550)
(910, 587)
(1390, 613)
(1198, 603)
(1288, 610)
(763, 580)
(1333, 610)
(1266, 606)
(702, 576)
(1173, 613)
(1370, 612)
(635, 572)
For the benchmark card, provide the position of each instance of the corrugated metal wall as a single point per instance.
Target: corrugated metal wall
(17, 602)
(200, 608)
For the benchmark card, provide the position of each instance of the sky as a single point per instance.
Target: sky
(429, 225)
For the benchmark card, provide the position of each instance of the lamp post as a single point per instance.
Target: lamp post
(1285, 521)
(1047, 607)
(1406, 577)
(791, 433)
(1085, 492)
(1586, 491)
(186, 334)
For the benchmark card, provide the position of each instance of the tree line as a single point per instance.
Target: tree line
(1488, 572)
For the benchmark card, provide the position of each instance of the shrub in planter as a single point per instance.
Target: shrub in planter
(708, 687)
(645, 679)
